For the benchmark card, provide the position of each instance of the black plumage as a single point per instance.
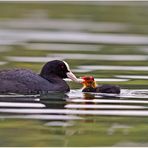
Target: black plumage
(27, 81)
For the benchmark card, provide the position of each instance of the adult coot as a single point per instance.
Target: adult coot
(26, 81)
(89, 85)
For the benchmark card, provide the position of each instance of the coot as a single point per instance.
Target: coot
(25, 81)
(89, 85)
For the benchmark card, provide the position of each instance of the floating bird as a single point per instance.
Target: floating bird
(89, 85)
(25, 81)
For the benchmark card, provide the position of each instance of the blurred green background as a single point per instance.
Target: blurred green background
(92, 18)
(32, 33)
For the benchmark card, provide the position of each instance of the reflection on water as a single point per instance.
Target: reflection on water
(73, 114)
(106, 67)
(72, 37)
(61, 47)
(56, 104)
(95, 40)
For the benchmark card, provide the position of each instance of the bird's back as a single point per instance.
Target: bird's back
(21, 81)
(26, 81)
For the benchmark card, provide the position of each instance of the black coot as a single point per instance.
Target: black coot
(26, 81)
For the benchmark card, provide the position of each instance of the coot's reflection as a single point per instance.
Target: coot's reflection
(53, 100)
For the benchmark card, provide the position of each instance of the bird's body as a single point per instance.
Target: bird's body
(91, 86)
(108, 88)
(26, 81)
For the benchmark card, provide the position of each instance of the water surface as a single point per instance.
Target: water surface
(107, 40)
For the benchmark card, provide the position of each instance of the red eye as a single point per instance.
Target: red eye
(62, 66)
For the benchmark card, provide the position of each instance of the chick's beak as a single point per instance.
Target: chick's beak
(73, 77)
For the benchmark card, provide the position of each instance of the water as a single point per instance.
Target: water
(63, 119)
(94, 40)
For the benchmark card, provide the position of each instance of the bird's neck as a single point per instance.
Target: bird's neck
(51, 77)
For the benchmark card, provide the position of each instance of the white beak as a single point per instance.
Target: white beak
(72, 77)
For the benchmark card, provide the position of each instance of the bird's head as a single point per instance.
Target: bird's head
(58, 68)
(88, 83)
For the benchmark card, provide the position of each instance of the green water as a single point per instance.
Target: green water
(93, 130)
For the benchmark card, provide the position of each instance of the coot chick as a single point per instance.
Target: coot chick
(89, 85)
(25, 81)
